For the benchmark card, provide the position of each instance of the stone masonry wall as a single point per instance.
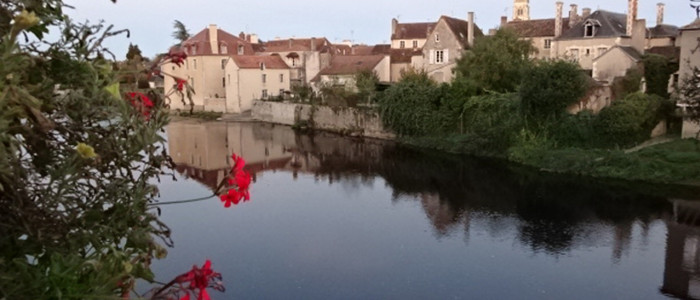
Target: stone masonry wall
(346, 120)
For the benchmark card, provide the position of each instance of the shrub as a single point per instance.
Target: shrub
(630, 120)
(493, 120)
(657, 72)
(549, 87)
(410, 107)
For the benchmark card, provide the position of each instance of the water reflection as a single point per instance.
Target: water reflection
(551, 215)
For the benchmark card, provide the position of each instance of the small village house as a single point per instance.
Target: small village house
(446, 44)
(250, 77)
(342, 70)
(407, 41)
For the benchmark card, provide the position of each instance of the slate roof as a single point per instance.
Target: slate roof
(631, 52)
(663, 30)
(460, 27)
(254, 61)
(611, 25)
(369, 50)
(692, 26)
(671, 52)
(201, 40)
(407, 31)
(351, 64)
(536, 28)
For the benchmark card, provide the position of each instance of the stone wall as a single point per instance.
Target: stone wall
(353, 121)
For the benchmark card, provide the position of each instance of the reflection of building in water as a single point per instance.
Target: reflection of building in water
(203, 151)
(682, 269)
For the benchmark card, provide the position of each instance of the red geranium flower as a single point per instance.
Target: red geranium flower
(180, 83)
(239, 180)
(141, 102)
(176, 56)
(201, 279)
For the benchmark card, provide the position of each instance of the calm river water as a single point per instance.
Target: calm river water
(339, 218)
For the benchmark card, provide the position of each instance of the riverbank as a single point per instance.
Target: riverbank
(675, 162)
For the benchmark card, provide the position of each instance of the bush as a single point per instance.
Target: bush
(410, 107)
(629, 121)
(493, 121)
(657, 72)
(549, 87)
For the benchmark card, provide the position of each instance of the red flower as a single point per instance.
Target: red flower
(180, 83)
(141, 102)
(240, 179)
(176, 56)
(201, 279)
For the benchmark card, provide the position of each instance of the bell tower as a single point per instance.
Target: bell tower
(521, 10)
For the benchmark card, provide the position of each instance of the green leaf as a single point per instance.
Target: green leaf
(113, 89)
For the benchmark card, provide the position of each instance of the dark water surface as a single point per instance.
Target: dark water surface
(338, 218)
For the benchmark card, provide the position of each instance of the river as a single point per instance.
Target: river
(338, 218)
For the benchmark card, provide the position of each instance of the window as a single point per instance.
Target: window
(194, 64)
(192, 82)
(402, 44)
(240, 50)
(194, 49)
(440, 56)
(229, 79)
(262, 66)
(520, 12)
(415, 44)
(264, 78)
(602, 50)
(187, 64)
(281, 92)
(224, 49)
(294, 62)
(547, 43)
(264, 94)
(281, 77)
(223, 81)
(589, 30)
(588, 51)
(223, 64)
(437, 37)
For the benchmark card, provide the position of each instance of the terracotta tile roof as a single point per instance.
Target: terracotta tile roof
(536, 28)
(611, 25)
(369, 49)
(671, 52)
(201, 40)
(254, 61)
(351, 64)
(403, 56)
(293, 44)
(663, 30)
(460, 27)
(692, 26)
(407, 31)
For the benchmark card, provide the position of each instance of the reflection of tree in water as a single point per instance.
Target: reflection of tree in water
(552, 213)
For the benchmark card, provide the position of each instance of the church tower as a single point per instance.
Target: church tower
(521, 10)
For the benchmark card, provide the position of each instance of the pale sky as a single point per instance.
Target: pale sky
(363, 21)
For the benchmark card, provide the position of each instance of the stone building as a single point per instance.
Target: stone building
(446, 44)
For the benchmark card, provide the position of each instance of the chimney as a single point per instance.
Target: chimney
(504, 21)
(660, 13)
(558, 21)
(313, 44)
(214, 39)
(247, 38)
(394, 25)
(573, 15)
(254, 38)
(241, 35)
(585, 13)
(470, 33)
(631, 16)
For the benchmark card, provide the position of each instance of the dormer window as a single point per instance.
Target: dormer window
(224, 49)
(240, 49)
(590, 28)
(194, 49)
(262, 67)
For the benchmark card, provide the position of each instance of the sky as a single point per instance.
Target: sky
(362, 21)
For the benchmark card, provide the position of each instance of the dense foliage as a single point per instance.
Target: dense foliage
(549, 87)
(496, 63)
(77, 161)
(657, 72)
(630, 120)
(411, 106)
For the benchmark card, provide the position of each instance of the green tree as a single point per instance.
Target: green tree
(134, 53)
(549, 87)
(496, 63)
(657, 72)
(410, 107)
(181, 34)
(366, 82)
